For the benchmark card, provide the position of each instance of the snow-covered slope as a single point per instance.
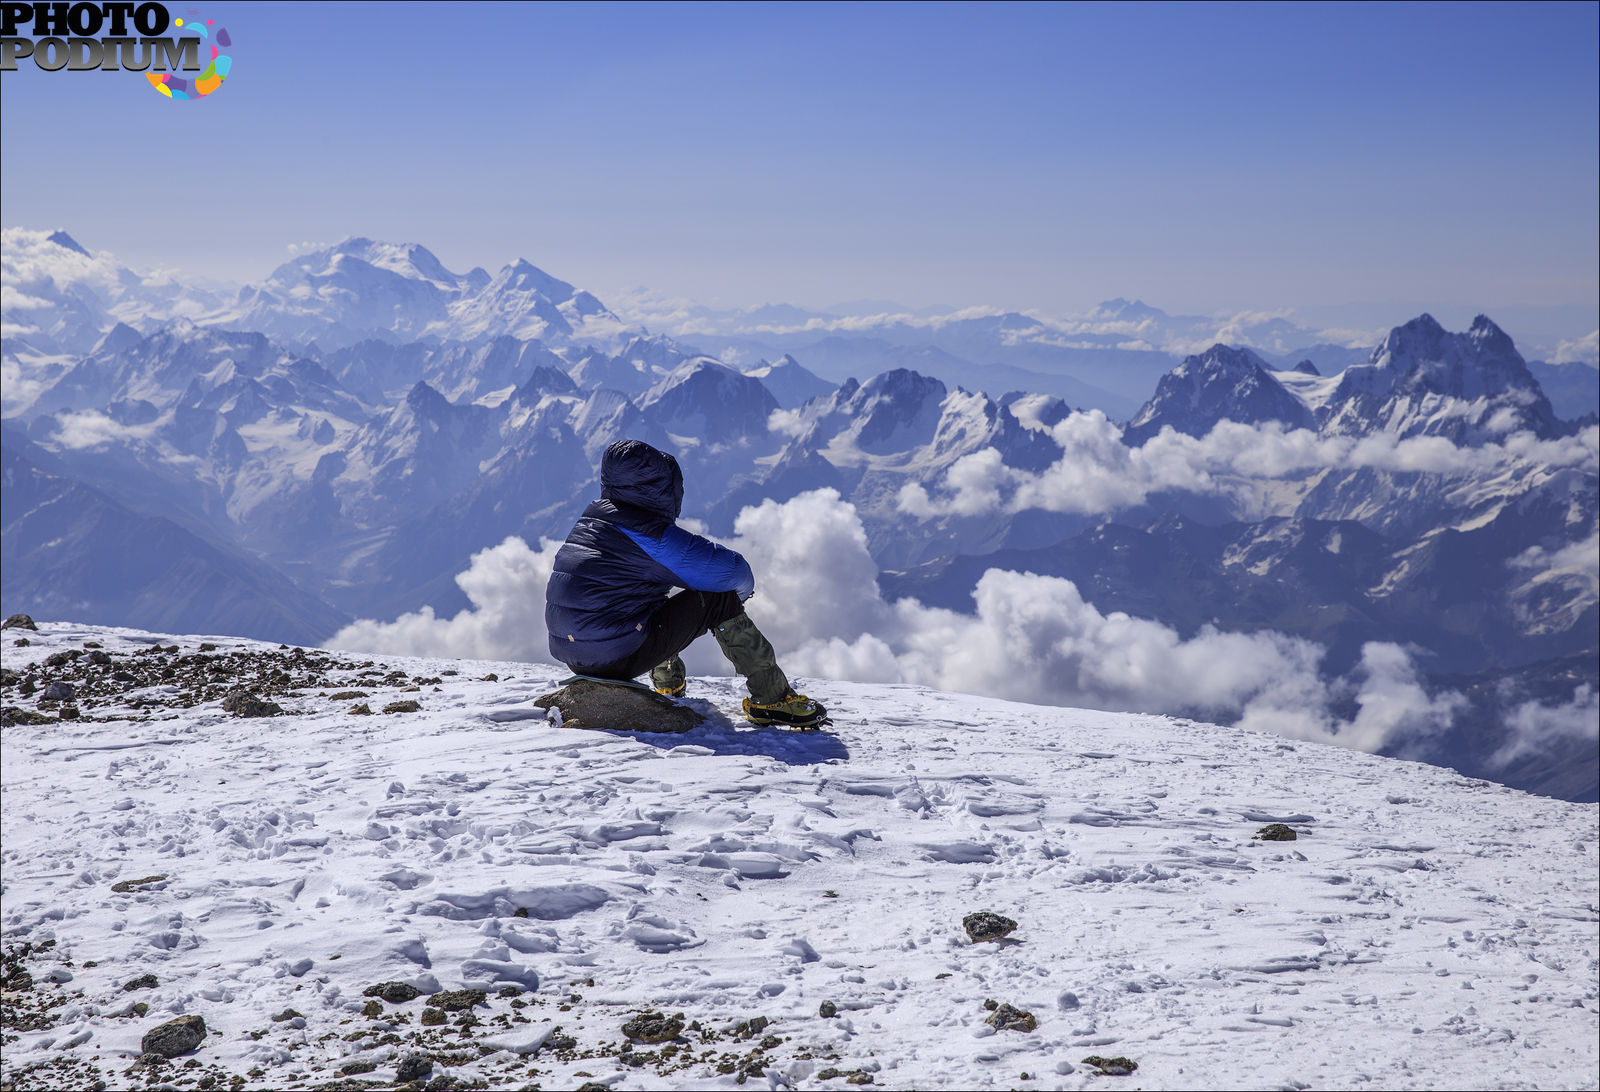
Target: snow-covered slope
(1423, 931)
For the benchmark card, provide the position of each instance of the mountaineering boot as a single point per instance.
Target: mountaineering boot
(752, 656)
(792, 711)
(669, 678)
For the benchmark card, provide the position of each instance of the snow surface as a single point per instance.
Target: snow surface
(1425, 931)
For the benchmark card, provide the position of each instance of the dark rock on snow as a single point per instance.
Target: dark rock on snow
(1111, 1067)
(1276, 832)
(1011, 1018)
(19, 621)
(652, 1027)
(14, 715)
(396, 993)
(175, 1037)
(242, 703)
(458, 1000)
(412, 1067)
(126, 887)
(617, 708)
(985, 925)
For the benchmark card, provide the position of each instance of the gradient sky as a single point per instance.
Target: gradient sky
(1203, 157)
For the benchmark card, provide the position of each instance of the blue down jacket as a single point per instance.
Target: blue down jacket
(625, 554)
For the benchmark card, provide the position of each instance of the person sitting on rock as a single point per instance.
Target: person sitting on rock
(608, 607)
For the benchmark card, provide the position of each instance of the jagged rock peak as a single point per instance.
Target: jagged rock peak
(424, 400)
(62, 239)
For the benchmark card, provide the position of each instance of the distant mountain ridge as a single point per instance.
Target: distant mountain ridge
(386, 419)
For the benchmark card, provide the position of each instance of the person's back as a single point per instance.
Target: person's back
(608, 607)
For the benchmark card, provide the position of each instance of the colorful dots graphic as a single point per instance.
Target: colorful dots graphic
(207, 82)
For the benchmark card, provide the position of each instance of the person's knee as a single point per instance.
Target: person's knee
(721, 606)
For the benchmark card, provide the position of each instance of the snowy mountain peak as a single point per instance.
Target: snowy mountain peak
(1490, 337)
(61, 238)
(407, 259)
(1223, 383)
(705, 398)
(524, 276)
(119, 337)
(1126, 310)
(1423, 379)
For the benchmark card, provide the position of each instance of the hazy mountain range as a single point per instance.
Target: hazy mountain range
(347, 438)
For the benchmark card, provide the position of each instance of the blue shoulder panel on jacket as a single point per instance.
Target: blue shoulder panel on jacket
(700, 563)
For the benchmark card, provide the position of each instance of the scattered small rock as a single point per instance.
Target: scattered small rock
(458, 1000)
(1010, 1018)
(749, 1029)
(653, 1027)
(242, 703)
(19, 621)
(124, 887)
(98, 658)
(432, 1018)
(22, 642)
(350, 1069)
(59, 691)
(413, 1067)
(985, 925)
(396, 993)
(143, 982)
(1276, 832)
(362, 710)
(520, 912)
(286, 1014)
(62, 658)
(348, 695)
(1111, 1067)
(407, 706)
(827, 1010)
(13, 715)
(175, 1037)
(69, 712)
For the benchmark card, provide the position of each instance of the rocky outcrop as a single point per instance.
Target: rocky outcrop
(617, 707)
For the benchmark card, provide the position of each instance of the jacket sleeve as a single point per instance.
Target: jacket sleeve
(697, 562)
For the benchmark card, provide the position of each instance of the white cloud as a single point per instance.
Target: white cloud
(79, 429)
(505, 585)
(1029, 638)
(1097, 473)
(1535, 727)
(1584, 350)
(789, 423)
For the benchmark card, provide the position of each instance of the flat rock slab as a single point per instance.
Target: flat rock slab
(617, 708)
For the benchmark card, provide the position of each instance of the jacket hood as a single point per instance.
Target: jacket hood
(634, 473)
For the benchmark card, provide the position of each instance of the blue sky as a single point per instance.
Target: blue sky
(1203, 157)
